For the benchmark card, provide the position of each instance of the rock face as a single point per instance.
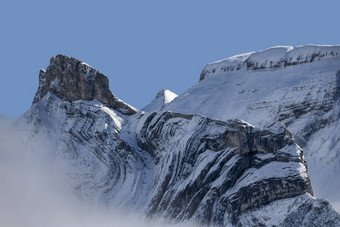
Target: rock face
(71, 80)
(212, 170)
(168, 165)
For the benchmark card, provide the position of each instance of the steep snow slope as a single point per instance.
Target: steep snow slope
(298, 87)
(170, 166)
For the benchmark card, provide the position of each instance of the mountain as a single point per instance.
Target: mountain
(296, 87)
(172, 166)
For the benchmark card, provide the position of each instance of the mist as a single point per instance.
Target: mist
(32, 194)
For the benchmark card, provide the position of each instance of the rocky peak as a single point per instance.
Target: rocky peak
(71, 79)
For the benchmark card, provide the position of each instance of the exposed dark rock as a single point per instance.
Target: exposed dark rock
(71, 80)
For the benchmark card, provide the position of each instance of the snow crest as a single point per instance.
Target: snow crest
(272, 59)
(162, 98)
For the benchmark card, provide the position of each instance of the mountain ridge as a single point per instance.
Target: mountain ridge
(273, 58)
(302, 97)
(177, 163)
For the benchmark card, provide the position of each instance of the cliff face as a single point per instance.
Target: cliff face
(71, 80)
(168, 165)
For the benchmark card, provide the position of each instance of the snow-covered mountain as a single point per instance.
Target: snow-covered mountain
(180, 166)
(296, 87)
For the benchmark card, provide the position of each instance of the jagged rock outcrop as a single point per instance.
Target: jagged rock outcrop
(167, 165)
(71, 80)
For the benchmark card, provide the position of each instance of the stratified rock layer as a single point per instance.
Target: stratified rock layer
(209, 170)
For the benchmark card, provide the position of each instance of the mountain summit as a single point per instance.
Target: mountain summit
(71, 80)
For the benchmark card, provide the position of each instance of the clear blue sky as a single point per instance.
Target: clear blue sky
(144, 46)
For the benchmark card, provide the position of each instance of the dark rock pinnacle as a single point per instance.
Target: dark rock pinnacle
(71, 80)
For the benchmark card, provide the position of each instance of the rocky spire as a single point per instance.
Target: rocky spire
(71, 80)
